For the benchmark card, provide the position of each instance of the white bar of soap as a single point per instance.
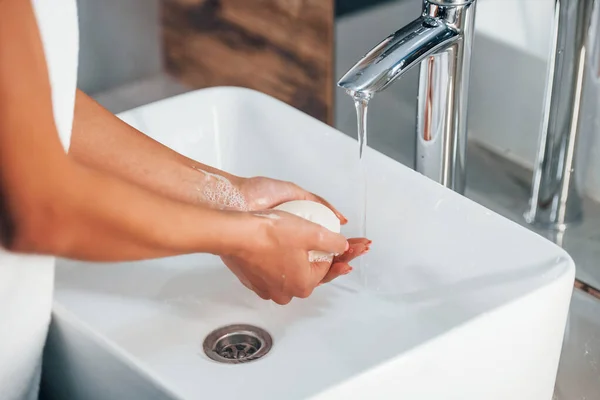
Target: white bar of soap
(317, 213)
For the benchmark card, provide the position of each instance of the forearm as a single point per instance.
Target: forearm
(104, 142)
(50, 204)
(56, 206)
(95, 217)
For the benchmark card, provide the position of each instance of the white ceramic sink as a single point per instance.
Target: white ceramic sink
(461, 303)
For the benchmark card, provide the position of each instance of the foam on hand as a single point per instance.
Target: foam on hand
(219, 191)
(317, 213)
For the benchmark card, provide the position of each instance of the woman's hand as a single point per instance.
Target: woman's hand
(274, 260)
(263, 193)
(340, 265)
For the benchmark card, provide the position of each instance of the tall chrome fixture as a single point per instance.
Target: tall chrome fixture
(440, 40)
(555, 200)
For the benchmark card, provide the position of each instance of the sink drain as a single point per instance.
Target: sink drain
(235, 344)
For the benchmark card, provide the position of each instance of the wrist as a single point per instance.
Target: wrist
(219, 190)
(238, 232)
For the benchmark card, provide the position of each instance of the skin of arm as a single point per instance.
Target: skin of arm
(51, 204)
(102, 141)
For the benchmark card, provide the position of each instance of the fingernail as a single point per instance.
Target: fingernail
(347, 271)
(350, 250)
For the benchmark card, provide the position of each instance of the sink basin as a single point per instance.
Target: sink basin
(452, 302)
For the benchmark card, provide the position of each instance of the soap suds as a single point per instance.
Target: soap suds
(319, 257)
(219, 191)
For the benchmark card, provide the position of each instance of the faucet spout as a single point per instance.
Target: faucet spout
(440, 41)
(398, 53)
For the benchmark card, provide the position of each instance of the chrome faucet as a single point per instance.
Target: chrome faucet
(440, 40)
(555, 200)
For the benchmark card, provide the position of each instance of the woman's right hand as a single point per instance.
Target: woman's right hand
(273, 262)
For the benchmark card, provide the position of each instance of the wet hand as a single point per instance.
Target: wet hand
(273, 261)
(340, 265)
(263, 193)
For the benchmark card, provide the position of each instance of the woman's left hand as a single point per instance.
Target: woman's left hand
(263, 193)
(340, 265)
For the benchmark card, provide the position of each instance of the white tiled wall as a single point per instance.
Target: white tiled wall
(523, 24)
(120, 57)
(119, 42)
(515, 36)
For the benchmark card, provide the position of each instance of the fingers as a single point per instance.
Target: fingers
(281, 299)
(336, 270)
(319, 199)
(322, 239)
(359, 240)
(358, 247)
(288, 273)
(261, 293)
(340, 266)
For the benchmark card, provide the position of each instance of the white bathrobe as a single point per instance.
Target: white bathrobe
(26, 282)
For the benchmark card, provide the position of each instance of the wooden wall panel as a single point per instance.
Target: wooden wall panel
(280, 47)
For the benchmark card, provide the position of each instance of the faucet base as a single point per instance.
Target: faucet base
(549, 225)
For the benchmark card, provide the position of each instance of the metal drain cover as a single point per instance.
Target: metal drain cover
(235, 344)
